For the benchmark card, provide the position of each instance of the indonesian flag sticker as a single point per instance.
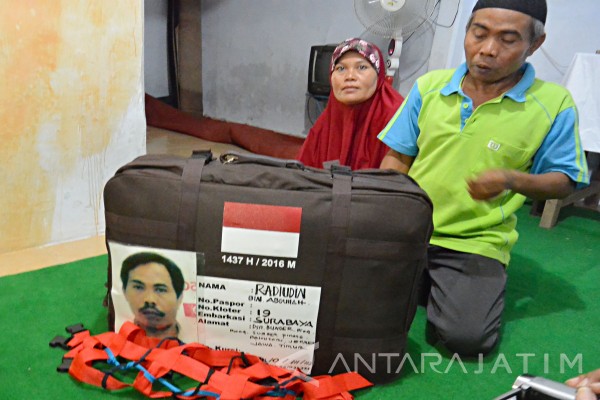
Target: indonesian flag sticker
(261, 230)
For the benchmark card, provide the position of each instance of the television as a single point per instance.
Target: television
(318, 69)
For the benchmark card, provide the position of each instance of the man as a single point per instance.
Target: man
(153, 285)
(588, 385)
(479, 140)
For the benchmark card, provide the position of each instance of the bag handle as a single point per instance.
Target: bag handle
(191, 179)
(234, 157)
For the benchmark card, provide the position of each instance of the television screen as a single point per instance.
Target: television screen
(318, 70)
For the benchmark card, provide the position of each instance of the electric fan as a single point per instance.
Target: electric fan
(394, 20)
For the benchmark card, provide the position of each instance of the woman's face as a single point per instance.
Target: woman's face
(353, 79)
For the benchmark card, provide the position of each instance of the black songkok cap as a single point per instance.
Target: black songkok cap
(534, 8)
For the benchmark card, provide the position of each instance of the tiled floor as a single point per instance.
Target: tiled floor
(40, 257)
(158, 141)
(164, 141)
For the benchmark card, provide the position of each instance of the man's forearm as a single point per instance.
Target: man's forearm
(491, 183)
(552, 185)
(396, 161)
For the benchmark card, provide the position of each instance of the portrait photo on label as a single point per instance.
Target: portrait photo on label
(155, 289)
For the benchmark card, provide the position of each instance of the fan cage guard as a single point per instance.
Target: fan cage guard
(393, 24)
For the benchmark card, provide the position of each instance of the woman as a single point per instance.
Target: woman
(360, 104)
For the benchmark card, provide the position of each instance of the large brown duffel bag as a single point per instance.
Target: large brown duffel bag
(287, 257)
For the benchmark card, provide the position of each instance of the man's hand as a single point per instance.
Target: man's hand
(490, 184)
(588, 385)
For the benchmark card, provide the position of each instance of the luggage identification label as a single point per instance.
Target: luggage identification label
(276, 322)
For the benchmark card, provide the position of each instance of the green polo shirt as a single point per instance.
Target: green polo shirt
(531, 128)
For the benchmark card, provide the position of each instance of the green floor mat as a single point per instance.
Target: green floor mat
(550, 325)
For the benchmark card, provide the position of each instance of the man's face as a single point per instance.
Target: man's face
(152, 298)
(497, 43)
(353, 79)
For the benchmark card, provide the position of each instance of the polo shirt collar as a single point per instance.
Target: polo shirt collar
(517, 92)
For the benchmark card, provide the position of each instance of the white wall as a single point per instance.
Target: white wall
(255, 52)
(571, 27)
(447, 50)
(71, 111)
(255, 57)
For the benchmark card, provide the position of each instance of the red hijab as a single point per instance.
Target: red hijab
(349, 133)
